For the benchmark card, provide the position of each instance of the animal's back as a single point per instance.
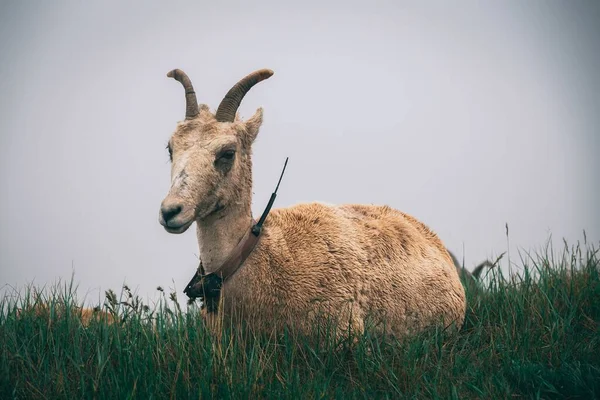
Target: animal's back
(357, 260)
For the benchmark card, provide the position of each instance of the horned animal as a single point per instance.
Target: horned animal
(355, 262)
(476, 271)
(470, 278)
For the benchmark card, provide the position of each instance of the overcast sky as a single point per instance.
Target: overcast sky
(467, 117)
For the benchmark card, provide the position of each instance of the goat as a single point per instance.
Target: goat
(470, 278)
(352, 260)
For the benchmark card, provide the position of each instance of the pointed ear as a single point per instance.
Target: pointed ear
(253, 124)
(204, 111)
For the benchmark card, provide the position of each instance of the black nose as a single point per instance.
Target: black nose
(170, 211)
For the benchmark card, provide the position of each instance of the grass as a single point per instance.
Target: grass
(533, 335)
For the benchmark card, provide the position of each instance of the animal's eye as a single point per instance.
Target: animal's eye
(227, 155)
(170, 152)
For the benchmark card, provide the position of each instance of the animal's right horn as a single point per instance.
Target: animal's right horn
(191, 104)
(233, 98)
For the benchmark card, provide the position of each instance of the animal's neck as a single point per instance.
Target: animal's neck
(218, 235)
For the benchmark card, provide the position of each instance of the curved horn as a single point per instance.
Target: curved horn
(233, 98)
(191, 104)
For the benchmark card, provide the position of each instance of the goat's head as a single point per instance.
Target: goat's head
(211, 165)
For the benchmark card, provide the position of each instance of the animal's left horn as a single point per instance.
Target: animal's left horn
(191, 104)
(233, 98)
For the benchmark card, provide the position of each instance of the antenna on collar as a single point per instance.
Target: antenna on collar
(256, 229)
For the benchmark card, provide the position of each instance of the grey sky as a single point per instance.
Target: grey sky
(467, 117)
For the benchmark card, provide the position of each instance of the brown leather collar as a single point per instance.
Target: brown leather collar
(208, 286)
(239, 254)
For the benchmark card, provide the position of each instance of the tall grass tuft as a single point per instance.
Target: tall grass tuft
(535, 334)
